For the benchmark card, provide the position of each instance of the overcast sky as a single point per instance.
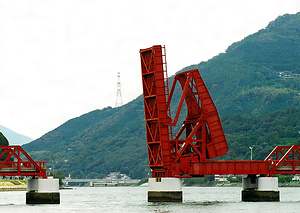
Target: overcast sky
(59, 59)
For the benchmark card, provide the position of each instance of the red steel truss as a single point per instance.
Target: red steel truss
(204, 137)
(14, 161)
(201, 137)
(284, 160)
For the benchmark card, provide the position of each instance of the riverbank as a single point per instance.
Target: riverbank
(13, 185)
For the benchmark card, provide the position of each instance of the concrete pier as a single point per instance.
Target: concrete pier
(165, 190)
(43, 191)
(260, 189)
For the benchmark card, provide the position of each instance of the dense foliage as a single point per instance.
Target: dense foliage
(255, 86)
(3, 140)
(262, 133)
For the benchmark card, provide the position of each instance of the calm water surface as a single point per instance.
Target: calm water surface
(134, 199)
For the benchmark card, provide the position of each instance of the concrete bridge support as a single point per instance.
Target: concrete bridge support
(260, 189)
(165, 190)
(43, 191)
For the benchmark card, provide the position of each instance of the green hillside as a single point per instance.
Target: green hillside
(249, 83)
(92, 145)
(262, 133)
(259, 74)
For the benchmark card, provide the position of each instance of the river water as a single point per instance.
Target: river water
(134, 199)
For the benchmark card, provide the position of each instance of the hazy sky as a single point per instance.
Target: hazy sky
(59, 58)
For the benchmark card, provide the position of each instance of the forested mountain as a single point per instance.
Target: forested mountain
(255, 85)
(263, 133)
(259, 74)
(92, 145)
(13, 137)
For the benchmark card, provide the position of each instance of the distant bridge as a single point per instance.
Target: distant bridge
(100, 182)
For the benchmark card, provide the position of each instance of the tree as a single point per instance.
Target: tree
(60, 175)
(3, 140)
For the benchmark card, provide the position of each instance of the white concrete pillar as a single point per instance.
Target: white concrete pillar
(32, 184)
(260, 189)
(165, 190)
(267, 184)
(48, 185)
(43, 191)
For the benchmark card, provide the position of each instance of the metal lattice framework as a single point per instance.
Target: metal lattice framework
(14, 161)
(204, 137)
(119, 101)
(201, 135)
(156, 110)
(284, 160)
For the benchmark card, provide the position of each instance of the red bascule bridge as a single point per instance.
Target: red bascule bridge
(200, 139)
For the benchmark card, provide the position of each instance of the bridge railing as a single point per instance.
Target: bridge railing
(23, 164)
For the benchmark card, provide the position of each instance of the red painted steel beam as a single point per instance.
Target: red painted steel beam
(16, 162)
(282, 160)
(220, 167)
